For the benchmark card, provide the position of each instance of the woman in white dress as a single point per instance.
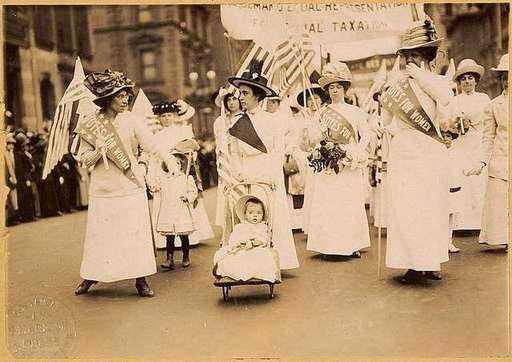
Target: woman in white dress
(468, 108)
(338, 223)
(417, 194)
(260, 150)
(311, 100)
(173, 117)
(118, 242)
(495, 156)
(230, 111)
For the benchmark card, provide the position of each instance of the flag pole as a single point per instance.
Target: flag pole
(379, 190)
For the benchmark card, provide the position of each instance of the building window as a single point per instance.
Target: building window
(204, 21)
(182, 14)
(144, 14)
(186, 64)
(43, 27)
(148, 65)
(47, 98)
(448, 9)
(82, 31)
(64, 29)
(194, 19)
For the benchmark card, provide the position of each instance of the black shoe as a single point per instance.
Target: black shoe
(84, 286)
(143, 289)
(412, 277)
(169, 264)
(433, 276)
(185, 263)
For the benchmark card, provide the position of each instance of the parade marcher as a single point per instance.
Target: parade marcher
(468, 112)
(338, 223)
(46, 188)
(11, 182)
(173, 117)
(118, 243)
(24, 169)
(231, 109)
(177, 193)
(495, 157)
(260, 149)
(417, 197)
(311, 100)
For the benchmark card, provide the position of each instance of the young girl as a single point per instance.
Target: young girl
(178, 191)
(246, 254)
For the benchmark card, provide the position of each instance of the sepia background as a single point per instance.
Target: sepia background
(322, 310)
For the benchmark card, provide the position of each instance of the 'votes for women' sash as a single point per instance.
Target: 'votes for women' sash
(400, 100)
(339, 129)
(89, 129)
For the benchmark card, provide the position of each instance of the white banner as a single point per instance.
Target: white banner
(325, 23)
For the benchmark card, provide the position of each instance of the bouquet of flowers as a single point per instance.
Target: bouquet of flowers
(327, 156)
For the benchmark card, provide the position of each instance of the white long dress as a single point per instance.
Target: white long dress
(118, 241)
(256, 165)
(338, 223)
(418, 188)
(466, 150)
(169, 137)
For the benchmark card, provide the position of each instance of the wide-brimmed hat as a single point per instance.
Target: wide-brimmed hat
(107, 83)
(422, 34)
(165, 107)
(334, 73)
(10, 138)
(253, 77)
(21, 139)
(240, 207)
(468, 66)
(314, 89)
(503, 65)
(221, 95)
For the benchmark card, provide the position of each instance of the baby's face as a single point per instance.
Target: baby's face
(254, 213)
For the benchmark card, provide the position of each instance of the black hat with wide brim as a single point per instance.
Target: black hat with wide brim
(257, 81)
(315, 89)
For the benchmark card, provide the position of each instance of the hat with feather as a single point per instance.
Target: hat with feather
(253, 77)
(107, 83)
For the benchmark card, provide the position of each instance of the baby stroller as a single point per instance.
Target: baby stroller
(253, 266)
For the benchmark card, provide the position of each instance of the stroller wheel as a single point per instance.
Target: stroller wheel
(271, 291)
(225, 293)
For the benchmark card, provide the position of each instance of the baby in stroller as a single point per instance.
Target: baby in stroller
(247, 253)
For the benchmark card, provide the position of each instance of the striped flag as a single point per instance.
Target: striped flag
(292, 57)
(254, 52)
(75, 103)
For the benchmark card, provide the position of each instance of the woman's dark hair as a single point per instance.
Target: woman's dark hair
(429, 53)
(181, 158)
(225, 101)
(475, 75)
(102, 103)
(258, 92)
(255, 201)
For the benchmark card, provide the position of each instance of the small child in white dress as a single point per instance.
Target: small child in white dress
(247, 253)
(178, 192)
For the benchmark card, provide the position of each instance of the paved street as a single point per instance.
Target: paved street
(324, 309)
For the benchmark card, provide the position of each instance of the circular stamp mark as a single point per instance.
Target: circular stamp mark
(39, 327)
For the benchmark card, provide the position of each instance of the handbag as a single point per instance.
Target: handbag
(290, 166)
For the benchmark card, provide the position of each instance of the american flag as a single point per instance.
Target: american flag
(253, 53)
(292, 58)
(75, 103)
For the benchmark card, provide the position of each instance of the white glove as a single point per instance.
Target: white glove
(475, 169)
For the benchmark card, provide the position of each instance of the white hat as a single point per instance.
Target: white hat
(240, 207)
(468, 66)
(334, 73)
(503, 65)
